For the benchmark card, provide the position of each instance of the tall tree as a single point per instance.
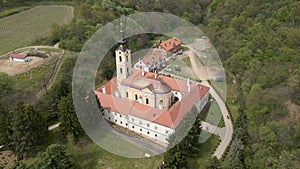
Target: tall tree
(68, 118)
(5, 127)
(28, 129)
(236, 154)
(55, 156)
(214, 163)
(175, 158)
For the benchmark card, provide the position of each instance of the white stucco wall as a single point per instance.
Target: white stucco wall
(147, 128)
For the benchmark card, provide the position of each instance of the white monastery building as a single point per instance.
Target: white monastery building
(147, 103)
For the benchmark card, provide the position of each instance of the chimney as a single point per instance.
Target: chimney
(103, 89)
(188, 85)
(155, 74)
(143, 71)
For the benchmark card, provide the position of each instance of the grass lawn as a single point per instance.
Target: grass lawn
(232, 101)
(220, 88)
(187, 61)
(89, 155)
(185, 66)
(201, 161)
(24, 28)
(214, 115)
(34, 79)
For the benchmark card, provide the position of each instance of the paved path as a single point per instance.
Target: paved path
(53, 126)
(226, 132)
(213, 129)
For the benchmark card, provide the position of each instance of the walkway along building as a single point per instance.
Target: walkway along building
(147, 103)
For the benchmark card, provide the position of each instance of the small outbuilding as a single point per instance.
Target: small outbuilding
(19, 57)
(171, 45)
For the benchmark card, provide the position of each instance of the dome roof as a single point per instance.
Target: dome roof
(157, 86)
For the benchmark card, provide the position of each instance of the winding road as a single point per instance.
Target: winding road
(226, 132)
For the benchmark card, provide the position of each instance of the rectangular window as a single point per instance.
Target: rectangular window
(167, 131)
(155, 127)
(148, 125)
(136, 97)
(126, 94)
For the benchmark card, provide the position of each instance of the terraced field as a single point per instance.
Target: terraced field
(24, 28)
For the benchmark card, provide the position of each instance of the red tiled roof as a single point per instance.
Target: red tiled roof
(153, 56)
(170, 118)
(169, 44)
(111, 86)
(18, 56)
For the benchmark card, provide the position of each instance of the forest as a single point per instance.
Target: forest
(258, 43)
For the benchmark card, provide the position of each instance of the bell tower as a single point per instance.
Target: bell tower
(123, 58)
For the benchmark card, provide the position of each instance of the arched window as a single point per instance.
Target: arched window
(121, 70)
(120, 58)
(136, 97)
(147, 101)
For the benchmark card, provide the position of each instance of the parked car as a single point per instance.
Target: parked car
(177, 68)
(180, 52)
(219, 79)
(173, 56)
(168, 69)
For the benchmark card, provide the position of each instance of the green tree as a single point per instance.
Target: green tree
(55, 156)
(68, 118)
(174, 158)
(183, 129)
(214, 163)
(5, 127)
(236, 154)
(190, 144)
(29, 128)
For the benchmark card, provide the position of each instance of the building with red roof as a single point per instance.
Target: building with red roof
(155, 59)
(147, 103)
(18, 57)
(171, 45)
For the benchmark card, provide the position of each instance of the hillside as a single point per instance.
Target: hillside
(258, 43)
